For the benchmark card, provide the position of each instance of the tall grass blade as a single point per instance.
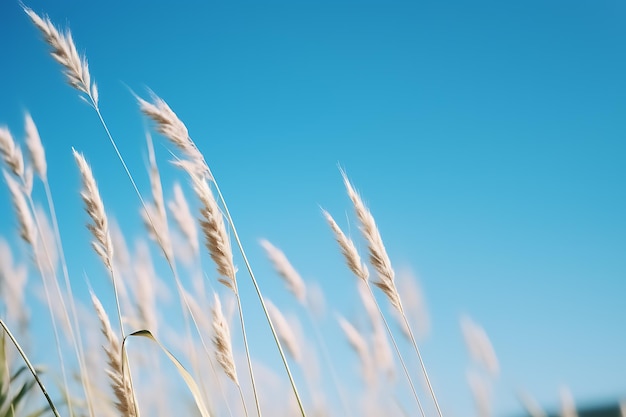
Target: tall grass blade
(191, 384)
(31, 368)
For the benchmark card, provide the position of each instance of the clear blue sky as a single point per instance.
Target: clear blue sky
(488, 138)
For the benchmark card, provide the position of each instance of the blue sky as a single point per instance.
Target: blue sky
(488, 139)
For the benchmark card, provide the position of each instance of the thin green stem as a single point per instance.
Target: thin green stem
(30, 367)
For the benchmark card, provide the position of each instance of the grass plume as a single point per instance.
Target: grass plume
(35, 148)
(386, 275)
(64, 51)
(27, 229)
(120, 382)
(11, 152)
(99, 228)
(292, 278)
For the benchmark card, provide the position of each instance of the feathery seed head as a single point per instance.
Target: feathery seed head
(102, 244)
(154, 214)
(64, 52)
(357, 341)
(479, 346)
(284, 331)
(125, 399)
(283, 267)
(482, 393)
(377, 252)
(183, 218)
(28, 231)
(170, 126)
(222, 341)
(214, 229)
(35, 148)
(11, 152)
(28, 180)
(348, 249)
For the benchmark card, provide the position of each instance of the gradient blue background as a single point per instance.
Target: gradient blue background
(488, 138)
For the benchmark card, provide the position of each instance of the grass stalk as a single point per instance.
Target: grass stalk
(395, 346)
(49, 302)
(421, 361)
(386, 276)
(56, 337)
(174, 129)
(31, 368)
(327, 358)
(260, 296)
(76, 337)
(358, 268)
(248, 358)
(25, 210)
(166, 255)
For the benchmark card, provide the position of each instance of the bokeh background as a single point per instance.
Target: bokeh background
(487, 137)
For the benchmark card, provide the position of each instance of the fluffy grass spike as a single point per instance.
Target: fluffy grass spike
(102, 244)
(65, 53)
(125, 399)
(292, 278)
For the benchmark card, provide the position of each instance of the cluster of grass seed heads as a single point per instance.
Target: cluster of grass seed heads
(378, 254)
